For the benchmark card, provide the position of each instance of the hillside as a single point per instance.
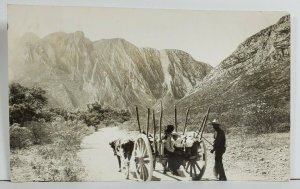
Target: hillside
(253, 82)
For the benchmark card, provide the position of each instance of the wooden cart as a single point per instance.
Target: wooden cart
(149, 149)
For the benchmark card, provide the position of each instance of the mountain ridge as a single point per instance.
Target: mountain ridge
(113, 72)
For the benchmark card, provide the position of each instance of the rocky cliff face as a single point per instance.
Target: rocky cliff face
(76, 71)
(256, 74)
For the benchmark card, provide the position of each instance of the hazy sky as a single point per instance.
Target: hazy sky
(209, 36)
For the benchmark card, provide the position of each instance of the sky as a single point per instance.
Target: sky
(209, 36)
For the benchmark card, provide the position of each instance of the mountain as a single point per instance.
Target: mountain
(253, 81)
(76, 71)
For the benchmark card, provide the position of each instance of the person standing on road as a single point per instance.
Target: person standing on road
(219, 148)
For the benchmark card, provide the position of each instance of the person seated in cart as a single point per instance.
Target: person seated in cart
(173, 160)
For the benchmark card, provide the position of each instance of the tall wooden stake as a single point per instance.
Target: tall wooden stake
(138, 118)
(186, 120)
(204, 125)
(148, 121)
(160, 120)
(154, 132)
(175, 111)
(201, 130)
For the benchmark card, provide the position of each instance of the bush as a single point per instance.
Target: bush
(265, 118)
(20, 137)
(96, 114)
(39, 131)
(25, 104)
(67, 135)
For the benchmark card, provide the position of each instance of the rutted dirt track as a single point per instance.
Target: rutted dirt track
(241, 162)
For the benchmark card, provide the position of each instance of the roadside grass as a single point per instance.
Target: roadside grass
(55, 161)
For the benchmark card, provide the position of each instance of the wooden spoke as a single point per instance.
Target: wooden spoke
(139, 147)
(144, 151)
(142, 174)
(145, 170)
(191, 174)
(138, 167)
(196, 163)
(146, 159)
(188, 164)
(146, 156)
(194, 167)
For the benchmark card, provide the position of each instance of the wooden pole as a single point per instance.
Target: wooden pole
(175, 111)
(204, 124)
(148, 121)
(160, 121)
(186, 119)
(201, 130)
(154, 132)
(138, 118)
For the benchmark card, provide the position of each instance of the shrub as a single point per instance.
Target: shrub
(39, 131)
(68, 134)
(20, 137)
(265, 118)
(96, 114)
(25, 104)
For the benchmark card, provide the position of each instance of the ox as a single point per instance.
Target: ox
(123, 150)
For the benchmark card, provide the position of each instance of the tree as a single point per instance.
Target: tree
(25, 104)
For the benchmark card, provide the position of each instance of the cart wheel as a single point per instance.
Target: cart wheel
(143, 159)
(196, 164)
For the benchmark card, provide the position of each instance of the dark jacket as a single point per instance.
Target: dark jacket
(220, 140)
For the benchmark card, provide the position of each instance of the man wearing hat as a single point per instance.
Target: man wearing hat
(219, 149)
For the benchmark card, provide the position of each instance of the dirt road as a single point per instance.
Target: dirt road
(101, 165)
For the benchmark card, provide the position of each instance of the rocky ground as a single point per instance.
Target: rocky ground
(255, 157)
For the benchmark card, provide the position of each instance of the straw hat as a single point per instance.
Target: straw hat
(215, 122)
